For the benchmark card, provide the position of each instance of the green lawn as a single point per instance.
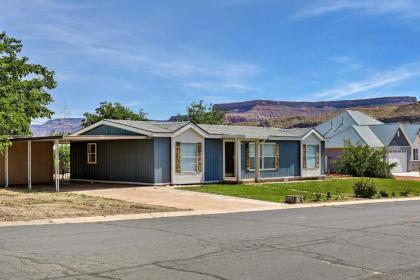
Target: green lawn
(340, 189)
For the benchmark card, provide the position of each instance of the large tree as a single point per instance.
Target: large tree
(202, 113)
(23, 91)
(115, 111)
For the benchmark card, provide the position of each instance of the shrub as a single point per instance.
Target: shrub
(364, 161)
(317, 197)
(404, 193)
(393, 194)
(383, 193)
(328, 195)
(364, 188)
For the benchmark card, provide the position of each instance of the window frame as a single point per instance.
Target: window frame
(317, 151)
(417, 154)
(89, 153)
(261, 157)
(181, 157)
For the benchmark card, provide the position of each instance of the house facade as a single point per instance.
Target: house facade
(360, 128)
(160, 153)
(413, 132)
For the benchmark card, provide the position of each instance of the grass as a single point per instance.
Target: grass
(339, 189)
(23, 205)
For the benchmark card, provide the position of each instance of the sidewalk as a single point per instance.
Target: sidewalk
(276, 206)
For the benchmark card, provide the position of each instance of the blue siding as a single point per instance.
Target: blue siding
(289, 161)
(128, 160)
(322, 157)
(213, 159)
(162, 160)
(109, 130)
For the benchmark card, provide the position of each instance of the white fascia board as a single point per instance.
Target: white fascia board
(279, 138)
(313, 131)
(190, 126)
(406, 136)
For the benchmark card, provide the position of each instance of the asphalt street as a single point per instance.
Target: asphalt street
(371, 241)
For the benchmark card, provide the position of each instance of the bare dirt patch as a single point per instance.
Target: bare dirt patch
(22, 205)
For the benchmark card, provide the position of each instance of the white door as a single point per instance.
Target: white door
(400, 159)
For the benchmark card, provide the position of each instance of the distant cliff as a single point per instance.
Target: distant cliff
(291, 114)
(63, 125)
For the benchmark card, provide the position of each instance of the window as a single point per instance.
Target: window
(311, 156)
(91, 153)
(188, 157)
(415, 154)
(267, 156)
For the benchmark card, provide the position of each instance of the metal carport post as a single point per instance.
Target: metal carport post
(57, 165)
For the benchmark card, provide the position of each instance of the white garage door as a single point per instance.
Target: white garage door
(400, 159)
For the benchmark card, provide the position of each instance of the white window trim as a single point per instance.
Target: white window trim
(319, 152)
(196, 159)
(418, 158)
(89, 153)
(261, 156)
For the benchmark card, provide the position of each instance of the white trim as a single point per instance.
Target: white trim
(190, 125)
(196, 158)
(261, 156)
(56, 149)
(88, 153)
(319, 155)
(313, 131)
(120, 182)
(406, 136)
(29, 165)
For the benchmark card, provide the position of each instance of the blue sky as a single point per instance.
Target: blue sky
(162, 55)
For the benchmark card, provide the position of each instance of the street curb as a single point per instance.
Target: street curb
(280, 206)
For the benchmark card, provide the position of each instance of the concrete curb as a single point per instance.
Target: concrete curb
(279, 206)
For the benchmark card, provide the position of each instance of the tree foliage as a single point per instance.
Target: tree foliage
(364, 161)
(23, 91)
(115, 111)
(202, 113)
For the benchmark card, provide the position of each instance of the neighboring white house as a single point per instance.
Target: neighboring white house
(413, 132)
(361, 128)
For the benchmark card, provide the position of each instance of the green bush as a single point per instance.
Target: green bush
(364, 188)
(404, 193)
(383, 193)
(317, 197)
(328, 195)
(364, 161)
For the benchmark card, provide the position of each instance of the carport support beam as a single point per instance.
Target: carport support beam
(57, 165)
(6, 167)
(29, 165)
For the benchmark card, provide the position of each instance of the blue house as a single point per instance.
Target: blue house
(158, 153)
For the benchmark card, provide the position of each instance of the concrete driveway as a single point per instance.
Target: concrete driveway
(172, 197)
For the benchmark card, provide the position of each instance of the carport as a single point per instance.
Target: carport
(31, 160)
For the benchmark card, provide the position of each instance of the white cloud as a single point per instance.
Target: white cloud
(98, 42)
(377, 81)
(405, 9)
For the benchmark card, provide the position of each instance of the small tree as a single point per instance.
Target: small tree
(23, 91)
(202, 113)
(115, 111)
(364, 161)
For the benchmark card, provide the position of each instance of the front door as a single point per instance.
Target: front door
(229, 159)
